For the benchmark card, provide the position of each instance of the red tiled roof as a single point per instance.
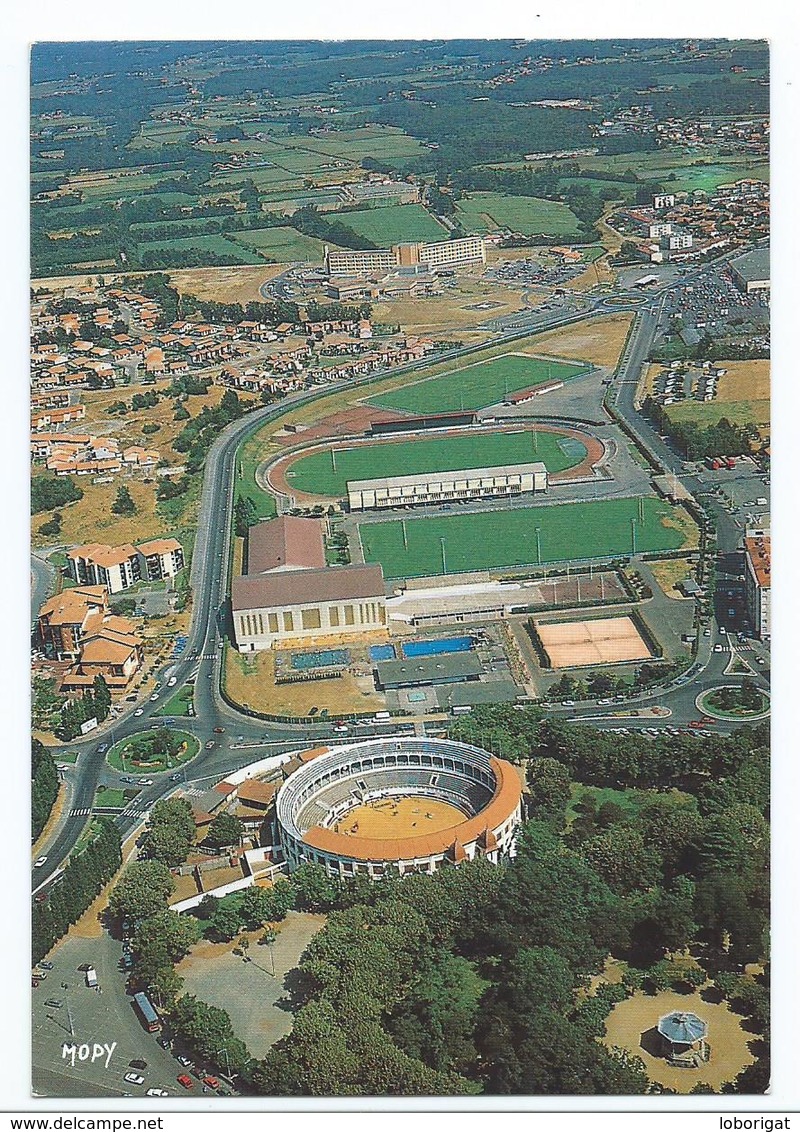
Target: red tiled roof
(285, 543)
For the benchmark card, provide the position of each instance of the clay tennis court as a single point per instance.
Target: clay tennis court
(390, 818)
(578, 644)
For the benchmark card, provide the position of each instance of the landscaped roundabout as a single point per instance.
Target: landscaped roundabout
(735, 702)
(154, 751)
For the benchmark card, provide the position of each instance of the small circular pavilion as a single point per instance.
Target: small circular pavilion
(684, 1039)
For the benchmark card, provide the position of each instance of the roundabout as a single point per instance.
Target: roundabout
(734, 703)
(153, 752)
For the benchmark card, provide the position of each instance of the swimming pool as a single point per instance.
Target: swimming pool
(325, 658)
(382, 652)
(436, 646)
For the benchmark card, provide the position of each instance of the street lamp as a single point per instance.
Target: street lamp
(227, 1060)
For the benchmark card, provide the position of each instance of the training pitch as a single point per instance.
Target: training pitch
(506, 536)
(478, 385)
(326, 471)
(579, 644)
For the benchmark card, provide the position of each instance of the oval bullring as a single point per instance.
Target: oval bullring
(404, 805)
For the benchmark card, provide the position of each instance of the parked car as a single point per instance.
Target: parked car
(37, 864)
(156, 1093)
(139, 711)
(175, 777)
(145, 782)
(134, 1078)
(173, 680)
(219, 730)
(212, 1082)
(154, 697)
(137, 1063)
(185, 1080)
(56, 1003)
(45, 965)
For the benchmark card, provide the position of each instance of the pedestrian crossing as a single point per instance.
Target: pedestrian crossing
(136, 810)
(192, 792)
(82, 812)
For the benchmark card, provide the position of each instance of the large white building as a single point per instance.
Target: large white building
(439, 255)
(289, 593)
(441, 487)
(757, 584)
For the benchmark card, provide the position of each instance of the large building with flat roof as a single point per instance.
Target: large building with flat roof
(441, 254)
(751, 271)
(443, 487)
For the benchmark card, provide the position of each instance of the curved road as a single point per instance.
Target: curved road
(201, 661)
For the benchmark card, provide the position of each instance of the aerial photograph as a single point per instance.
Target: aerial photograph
(400, 568)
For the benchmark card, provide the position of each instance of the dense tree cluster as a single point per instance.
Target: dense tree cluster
(170, 832)
(49, 491)
(87, 871)
(94, 703)
(44, 786)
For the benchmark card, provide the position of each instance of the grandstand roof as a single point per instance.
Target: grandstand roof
(503, 803)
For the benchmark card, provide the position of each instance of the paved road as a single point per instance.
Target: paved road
(209, 578)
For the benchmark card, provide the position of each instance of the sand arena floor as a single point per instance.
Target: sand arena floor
(390, 818)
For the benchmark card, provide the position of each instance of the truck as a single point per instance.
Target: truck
(91, 977)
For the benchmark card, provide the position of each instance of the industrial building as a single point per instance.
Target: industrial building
(441, 487)
(757, 584)
(442, 254)
(751, 271)
(289, 593)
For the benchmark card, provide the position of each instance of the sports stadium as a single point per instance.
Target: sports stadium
(404, 804)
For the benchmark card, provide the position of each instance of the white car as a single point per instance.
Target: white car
(134, 1078)
(37, 864)
(154, 697)
(173, 680)
(157, 1093)
(139, 711)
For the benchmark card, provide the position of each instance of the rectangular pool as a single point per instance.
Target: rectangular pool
(325, 658)
(382, 652)
(436, 646)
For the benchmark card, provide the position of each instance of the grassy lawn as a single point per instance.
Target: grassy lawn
(628, 800)
(507, 537)
(478, 385)
(216, 244)
(178, 705)
(316, 474)
(705, 414)
(393, 224)
(108, 799)
(122, 755)
(284, 245)
(528, 216)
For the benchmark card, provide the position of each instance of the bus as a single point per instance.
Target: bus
(147, 1012)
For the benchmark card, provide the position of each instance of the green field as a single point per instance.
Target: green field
(478, 385)
(707, 414)
(393, 224)
(218, 245)
(315, 473)
(284, 245)
(528, 216)
(506, 536)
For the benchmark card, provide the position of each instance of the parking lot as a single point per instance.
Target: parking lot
(712, 304)
(97, 1020)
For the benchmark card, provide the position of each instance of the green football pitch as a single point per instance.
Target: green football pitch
(327, 471)
(506, 536)
(478, 385)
